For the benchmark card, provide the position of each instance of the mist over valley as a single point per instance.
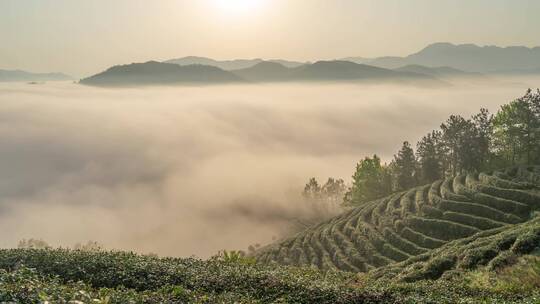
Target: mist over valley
(193, 170)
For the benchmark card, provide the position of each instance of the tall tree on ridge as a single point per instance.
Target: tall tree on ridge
(370, 181)
(429, 158)
(405, 167)
(517, 129)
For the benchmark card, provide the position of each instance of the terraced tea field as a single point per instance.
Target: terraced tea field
(458, 223)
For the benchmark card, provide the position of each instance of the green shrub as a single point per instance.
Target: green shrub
(383, 247)
(421, 196)
(528, 242)
(440, 229)
(473, 221)
(420, 239)
(505, 205)
(401, 243)
(430, 211)
(529, 198)
(460, 189)
(475, 257)
(432, 270)
(213, 279)
(479, 210)
(501, 183)
(407, 202)
(505, 241)
(436, 267)
(433, 193)
(447, 192)
(235, 257)
(504, 259)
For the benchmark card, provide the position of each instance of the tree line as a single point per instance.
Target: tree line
(482, 142)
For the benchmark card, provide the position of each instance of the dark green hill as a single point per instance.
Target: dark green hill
(156, 73)
(427, 227)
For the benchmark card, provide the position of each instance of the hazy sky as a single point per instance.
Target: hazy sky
(82, 37)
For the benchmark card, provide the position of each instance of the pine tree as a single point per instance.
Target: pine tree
(312, 190)
(405, 167)
(429, 158)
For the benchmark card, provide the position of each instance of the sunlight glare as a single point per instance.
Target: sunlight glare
(239, 6)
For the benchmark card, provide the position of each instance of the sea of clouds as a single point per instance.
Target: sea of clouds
(192, 170)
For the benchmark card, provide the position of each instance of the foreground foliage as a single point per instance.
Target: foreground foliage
(66, 276)
(154, 280)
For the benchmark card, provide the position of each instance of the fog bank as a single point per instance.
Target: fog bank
(189, 171)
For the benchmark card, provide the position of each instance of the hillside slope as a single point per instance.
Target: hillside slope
(408, 233)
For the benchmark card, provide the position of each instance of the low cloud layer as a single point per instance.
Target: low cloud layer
(189, 171)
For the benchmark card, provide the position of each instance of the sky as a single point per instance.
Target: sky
(84, 37)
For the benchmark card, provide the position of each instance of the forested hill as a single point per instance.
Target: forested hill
(157, 73)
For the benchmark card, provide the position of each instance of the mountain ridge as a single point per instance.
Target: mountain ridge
(156, 73)
(467, 57)
(20, 75)
(228, 65)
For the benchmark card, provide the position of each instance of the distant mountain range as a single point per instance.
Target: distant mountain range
(336, 70)
(435, 62)
(463, 57)
(18, 75)
(155, 73)
(466, 57)
(230, 64)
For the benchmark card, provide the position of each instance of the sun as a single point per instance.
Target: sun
(239, 6)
